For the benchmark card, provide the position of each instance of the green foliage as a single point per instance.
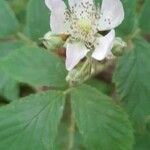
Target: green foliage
(9, 24)
(132, 81)
(9, 88)
(32, 122)
(101, 123)
(19, 7)
(142, 141)
(144, 18)
(35, 66)
(127, 27)
(43, 121)
(8, 47)
(100, 85)
(37, 19)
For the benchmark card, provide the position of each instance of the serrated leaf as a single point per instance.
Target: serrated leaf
(101, 124)
(37, 19)
(32, 122)
(144, 21)
(132, 80)
(9, 24)
(35, 67)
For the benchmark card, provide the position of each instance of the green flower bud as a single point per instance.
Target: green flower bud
(52, 41)
(118, 47)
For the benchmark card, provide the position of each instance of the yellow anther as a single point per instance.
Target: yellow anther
(85, 25)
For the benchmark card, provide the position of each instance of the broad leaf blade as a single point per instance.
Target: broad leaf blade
(36, 67)
(142, 141)
(132, 80)
(100, 86)
(8, 47)
(101, 124)
(9, 24)
(32, 122)
(37, 19)
(128, 23)
(9, 88)
(144, 18)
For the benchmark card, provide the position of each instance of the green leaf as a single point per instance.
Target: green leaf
(8, 47)
(142, 141)
(9, 24)
(100, 85)
(35, 67)
(37, 19)
(144, 18)
(19, 8)
(9, 88)
(63, 137)
(31, 123)
(128, 24)
(132, 80)
(101, 124)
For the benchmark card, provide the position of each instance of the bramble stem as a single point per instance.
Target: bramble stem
(71, 120)
(71, 131)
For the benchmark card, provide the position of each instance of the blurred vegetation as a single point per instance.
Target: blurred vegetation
(24, 22)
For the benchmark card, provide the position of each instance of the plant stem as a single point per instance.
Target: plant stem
(71, 120)
(71, 131)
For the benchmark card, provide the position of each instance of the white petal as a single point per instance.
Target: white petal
(57, 23)
(55, 4)
(112, 14)
(81, 7)
(104, 46)
(72, 3)
(57, 17)
(74, 53)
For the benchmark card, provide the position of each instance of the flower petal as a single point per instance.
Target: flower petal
(57, 17)
(54, 4)
(74, 53)
(112, 14)
(104, 46)
(81, 7)
(72, 3)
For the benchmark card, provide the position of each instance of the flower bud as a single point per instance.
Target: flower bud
(52, 41)
(118, 47)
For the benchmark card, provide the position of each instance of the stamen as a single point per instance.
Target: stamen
(82, 20)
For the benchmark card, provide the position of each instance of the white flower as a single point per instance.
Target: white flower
(86, 24)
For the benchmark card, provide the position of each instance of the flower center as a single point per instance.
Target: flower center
(81, 20)
(85, 25)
